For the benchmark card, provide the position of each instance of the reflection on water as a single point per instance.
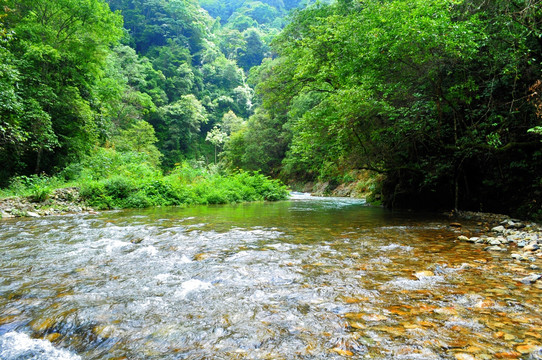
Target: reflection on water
(302, 279)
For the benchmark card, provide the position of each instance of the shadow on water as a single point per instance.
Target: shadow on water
(301, 279)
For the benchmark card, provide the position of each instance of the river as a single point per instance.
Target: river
(307, 278)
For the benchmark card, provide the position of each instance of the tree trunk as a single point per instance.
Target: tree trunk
(38, 160)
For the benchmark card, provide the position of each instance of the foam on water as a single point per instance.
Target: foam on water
(191, 286)
(396, 247)
(423, 283)
(17, 346)
(294, 195)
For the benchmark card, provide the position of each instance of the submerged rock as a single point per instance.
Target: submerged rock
(531, 279)
(494, 248)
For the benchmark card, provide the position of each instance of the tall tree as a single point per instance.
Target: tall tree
(58, 48)
(435, 94)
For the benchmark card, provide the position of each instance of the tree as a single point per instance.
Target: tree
(434, 94)
(140, 137)
(216, 137)
(179, 123)
(56, 54)
(254, 52)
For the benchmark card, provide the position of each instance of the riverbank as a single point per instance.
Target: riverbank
(359, 184)
(61, 201)
(499, 233)
(125, 192)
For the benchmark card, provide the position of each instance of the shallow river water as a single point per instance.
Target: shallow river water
(299, 279)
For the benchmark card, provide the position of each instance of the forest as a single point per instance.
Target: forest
(440, 100)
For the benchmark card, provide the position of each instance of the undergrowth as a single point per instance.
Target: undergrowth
(112, 180)
(119, 192)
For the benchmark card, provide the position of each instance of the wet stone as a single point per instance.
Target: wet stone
(527, 348)
(498, 229)
(494, 242)
(531, 279)
(531, 247)
(494, 248)
(508, 355)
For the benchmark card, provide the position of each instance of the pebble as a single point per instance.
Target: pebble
(464, 356)
(526, 349)
(5, 215)
(494, 242)
(494, 248)
(531, 247)
(527, 238)
(65, 200)
(512, 224)
(531, 279)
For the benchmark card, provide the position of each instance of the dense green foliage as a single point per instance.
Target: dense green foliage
(184, 186)
(437, 95)
(52, 57)
(441, 97)
(112, 109)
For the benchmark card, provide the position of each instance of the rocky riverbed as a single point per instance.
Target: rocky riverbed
(522, 240)
(61, 201)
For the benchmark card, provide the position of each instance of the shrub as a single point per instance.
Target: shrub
(37, 187)
(40, 193)
(95, 195)
(119, 187)
(138, 200)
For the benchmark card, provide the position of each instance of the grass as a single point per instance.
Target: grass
(119, 192)
(111, 180)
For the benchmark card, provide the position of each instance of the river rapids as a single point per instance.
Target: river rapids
(307, 278)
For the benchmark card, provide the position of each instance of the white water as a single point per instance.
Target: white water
(304, 279)
(19, 346)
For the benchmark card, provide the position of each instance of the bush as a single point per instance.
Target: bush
(37, 187)
(40, 193)
(138, 200)
(119, 187)
(127, 188)
(93, 193)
